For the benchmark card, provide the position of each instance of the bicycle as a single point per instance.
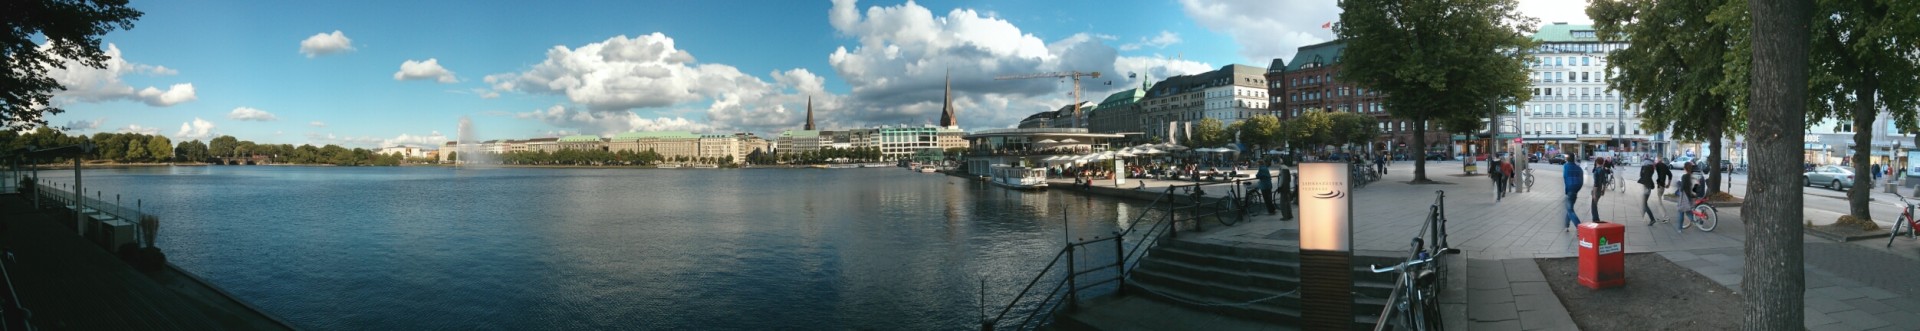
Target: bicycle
(1703, 215)
(1906, 220)
(1526, 179)
(1416, 292)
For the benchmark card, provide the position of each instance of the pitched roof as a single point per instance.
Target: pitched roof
(1321, 54)
(656, 135)
(579, 139)
(1563, 32)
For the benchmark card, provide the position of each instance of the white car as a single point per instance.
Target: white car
(1679, 163)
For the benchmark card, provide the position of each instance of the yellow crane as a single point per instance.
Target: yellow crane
(1075, 75)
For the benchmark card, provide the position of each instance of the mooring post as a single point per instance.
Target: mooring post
(1119, 263)
(1073, 294)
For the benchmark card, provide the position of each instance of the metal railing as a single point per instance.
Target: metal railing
(56, 194)
(15, 316)
(1433, 233)
(1067, 291)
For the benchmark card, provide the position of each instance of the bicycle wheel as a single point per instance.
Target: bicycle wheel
(1710, 219)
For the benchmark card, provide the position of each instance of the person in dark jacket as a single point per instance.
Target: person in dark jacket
(1601, 171)
(1266, 186)
(1499, 180)
(1284, 186)
(1573, 177)
(1647, 183)
(1690, 188)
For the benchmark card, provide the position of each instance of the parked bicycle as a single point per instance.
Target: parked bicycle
(1415, 304)
(1906, 220)
(1526, 179)
(1703, 215)
(1418, 304)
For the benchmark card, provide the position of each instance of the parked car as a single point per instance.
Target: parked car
(1680, 162)
(1833, 177)
(1726, 166)
(1558, 159)
(1437, 156)
(1533, 158)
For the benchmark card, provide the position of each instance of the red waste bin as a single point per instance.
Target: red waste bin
(1602, 255)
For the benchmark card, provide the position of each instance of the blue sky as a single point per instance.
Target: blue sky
(273, 71)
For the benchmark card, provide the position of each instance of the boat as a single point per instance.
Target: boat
(1017, 177)
(668, 166)
(928, 169)
(706, 166)
(843, 166)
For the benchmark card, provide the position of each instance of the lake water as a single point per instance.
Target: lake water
(417, 248)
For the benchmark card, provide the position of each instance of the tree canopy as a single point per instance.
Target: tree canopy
(1676, 67)
(1437, 60)
(72, 29)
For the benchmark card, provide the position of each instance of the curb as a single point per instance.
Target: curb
(1817, 232)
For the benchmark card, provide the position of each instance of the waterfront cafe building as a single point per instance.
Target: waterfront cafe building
(1030, 146)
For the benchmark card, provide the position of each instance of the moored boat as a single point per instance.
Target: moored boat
(1017, 177)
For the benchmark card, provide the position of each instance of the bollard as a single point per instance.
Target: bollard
(1073, 295)
(1119, 263)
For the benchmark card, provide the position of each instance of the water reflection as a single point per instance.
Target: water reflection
(437, 248)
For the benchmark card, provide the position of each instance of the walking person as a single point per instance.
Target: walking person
(1506, 170)
(1571, 173)
(1601, 171)
(1647, 183)
(1286, 190)
(1380, 164)
(1499, 181)
(1686, 191)
(1266, 186)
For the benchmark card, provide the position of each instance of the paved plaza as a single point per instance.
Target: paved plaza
(1860, 285)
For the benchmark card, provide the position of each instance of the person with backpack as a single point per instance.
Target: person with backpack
(1499, 180)
(1571, 174)
(1647, 183)
(1506, 170)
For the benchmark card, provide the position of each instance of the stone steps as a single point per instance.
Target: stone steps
(1221, 279)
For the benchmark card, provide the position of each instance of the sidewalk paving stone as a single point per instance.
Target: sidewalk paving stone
(1849, 285)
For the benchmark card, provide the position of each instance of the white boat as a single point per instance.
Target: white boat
(1017, 177)
(928, 169)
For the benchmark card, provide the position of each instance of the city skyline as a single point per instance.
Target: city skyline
(371, 76)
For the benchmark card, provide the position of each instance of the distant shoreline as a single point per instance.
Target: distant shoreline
(541, 166)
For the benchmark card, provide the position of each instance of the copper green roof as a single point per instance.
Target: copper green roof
(579, 139)
(1562, 32)
(1327, 53)
(800, 133)
(656, 135)
(1123, 97)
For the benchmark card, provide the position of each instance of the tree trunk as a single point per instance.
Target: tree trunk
(1774, 279)
(1863, 115)
(1716, 134)
(1420, 162)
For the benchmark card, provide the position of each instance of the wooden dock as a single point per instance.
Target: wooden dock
(71, 284)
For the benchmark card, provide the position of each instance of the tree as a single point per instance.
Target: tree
(1676, 67)
(1261, 131)
(1437, 60)
(136, 150)
(1774, 281)
(1863, 60)
(222, 146)
(245, 148)
(159, 148)
(72, 29)
(1353, 128)
(1209, 133)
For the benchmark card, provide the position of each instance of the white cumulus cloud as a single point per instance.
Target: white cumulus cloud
(325, 44)
(136, 128)
(317, 124)
(88, 84)
(196, 129)
(1161, 40)
(1266, 29)
(251, 114)
(606, 123)
(423, 70)
(623, 73)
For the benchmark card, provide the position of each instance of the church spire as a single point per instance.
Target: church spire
(809, 113)
(946, 108)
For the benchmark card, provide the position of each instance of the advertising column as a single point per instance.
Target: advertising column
(1326, 247)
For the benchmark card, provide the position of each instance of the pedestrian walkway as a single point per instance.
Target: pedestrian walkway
(1502, 238)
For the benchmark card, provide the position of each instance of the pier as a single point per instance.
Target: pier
(63, 280)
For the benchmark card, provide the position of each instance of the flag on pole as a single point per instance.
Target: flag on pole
(1328, 25)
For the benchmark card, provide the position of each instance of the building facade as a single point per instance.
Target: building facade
(1572, 110)
(1172, 105)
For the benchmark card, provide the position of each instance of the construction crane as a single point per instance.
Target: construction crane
(1061, 74)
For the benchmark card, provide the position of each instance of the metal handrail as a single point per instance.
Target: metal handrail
(64, 198)
(1125, 260)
